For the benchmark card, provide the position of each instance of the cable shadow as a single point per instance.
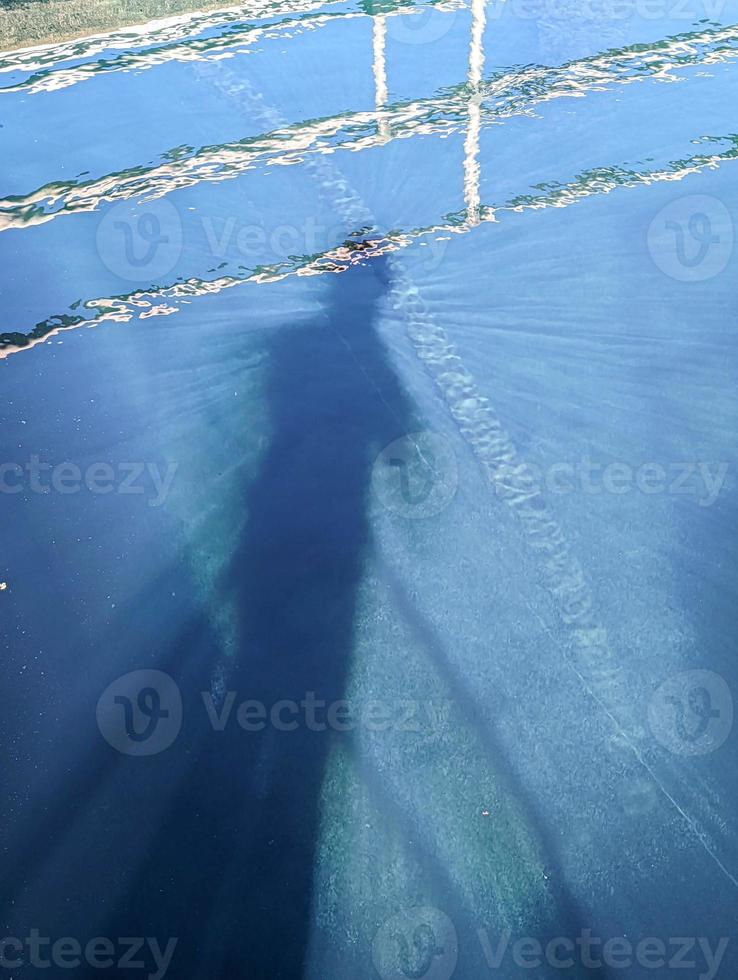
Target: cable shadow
(570, 918)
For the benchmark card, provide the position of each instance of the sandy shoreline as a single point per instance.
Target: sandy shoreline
(29, 23)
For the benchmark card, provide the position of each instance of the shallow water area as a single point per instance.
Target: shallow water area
(369, 387)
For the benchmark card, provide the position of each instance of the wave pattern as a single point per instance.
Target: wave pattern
(165, 31)
(591, 656)
(147, 302)
(295, 19)
(498, 97)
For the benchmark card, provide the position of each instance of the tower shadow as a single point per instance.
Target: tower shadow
(230, 867)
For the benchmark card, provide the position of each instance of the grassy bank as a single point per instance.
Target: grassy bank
(27, 22)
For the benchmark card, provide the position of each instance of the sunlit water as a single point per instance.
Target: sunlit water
(390, 352)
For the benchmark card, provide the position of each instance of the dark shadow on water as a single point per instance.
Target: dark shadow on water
(223, 858)
(232, 862)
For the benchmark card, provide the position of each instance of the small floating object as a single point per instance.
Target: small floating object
(485, 813)
(3, 586)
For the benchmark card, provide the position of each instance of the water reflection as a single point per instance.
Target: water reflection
(162, 301)
(283, 20)
(471, 145)
(249, 812)
(500, 96)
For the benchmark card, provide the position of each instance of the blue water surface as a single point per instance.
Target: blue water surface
(398, 378)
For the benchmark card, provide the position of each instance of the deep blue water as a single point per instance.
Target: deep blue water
(369, 492)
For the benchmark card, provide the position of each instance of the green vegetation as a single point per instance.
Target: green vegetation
(27, 22)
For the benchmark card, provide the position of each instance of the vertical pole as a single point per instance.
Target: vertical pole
(379, 67)
(471, 144)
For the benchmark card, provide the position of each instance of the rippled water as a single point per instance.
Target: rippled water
(411, 392)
